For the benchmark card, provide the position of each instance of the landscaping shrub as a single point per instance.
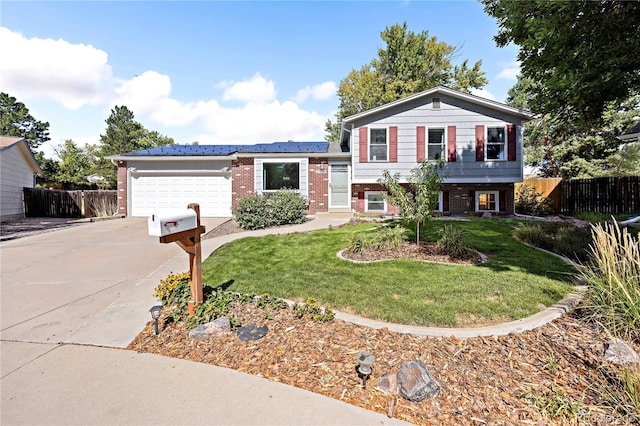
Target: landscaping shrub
(171, 289)
(451, 242)
(558, 237)
(257, 211)
(613, 277)
(530, 202)
(534, 234)
(387, 238)
(252, 212)
(287, 207)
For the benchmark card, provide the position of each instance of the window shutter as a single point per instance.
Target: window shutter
(445, 201)
(479, 143)
(503, 201)
(472, 201)
(363, 144)
(451, 143)
(420, 141)
(511, 142)
(393, 144)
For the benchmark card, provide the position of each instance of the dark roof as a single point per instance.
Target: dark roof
(224, 150)
(633, 131)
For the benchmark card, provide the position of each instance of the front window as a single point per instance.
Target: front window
(378, 145)
(374, 202)
(496, 143)
(435, 144)
(487, 201)
(281, 176)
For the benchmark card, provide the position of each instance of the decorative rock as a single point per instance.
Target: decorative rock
(252, 332)
(415, 383)
(217, 328)
(389, 383)
(619, 352)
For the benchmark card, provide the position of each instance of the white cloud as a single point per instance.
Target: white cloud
(77, 75)
(72, 74)
(510, 71)
(256, 90)
(483, 93)
(320, 91)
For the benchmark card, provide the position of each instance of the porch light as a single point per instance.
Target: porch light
(155, 314)
(365, 360)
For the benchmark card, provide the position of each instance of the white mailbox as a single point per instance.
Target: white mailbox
(172, 223)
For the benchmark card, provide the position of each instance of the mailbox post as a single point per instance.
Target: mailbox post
(184, 229)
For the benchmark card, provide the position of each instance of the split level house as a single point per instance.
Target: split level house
(480, 140)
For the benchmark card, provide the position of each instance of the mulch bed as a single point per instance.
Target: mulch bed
(485, 380)
(424, 251)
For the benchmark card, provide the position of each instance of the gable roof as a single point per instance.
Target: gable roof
(12, 142)
(441, 90)
(205, 151)
(632, 133)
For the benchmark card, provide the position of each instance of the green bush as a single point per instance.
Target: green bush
(257, 211)
(252, 212)
(558, 237)
(530, 202)
(451, 242)
(534, 235)
(171, 289)
(287, 207)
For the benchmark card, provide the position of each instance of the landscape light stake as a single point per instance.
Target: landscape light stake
(155, 314)
(365, 361)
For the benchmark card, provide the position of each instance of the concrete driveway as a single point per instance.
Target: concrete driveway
(71, 298)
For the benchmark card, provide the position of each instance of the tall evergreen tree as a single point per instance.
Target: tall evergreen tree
(15, 120)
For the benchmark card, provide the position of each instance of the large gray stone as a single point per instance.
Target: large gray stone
(216, 328)
(415, 383)
(619, 352)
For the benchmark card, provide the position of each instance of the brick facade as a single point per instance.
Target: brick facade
(122, 187)
(318, 185)
(242, 179)
(461, 197)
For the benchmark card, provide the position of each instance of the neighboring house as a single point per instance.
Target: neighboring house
(632, 135)
(18, 169)
(480, 140)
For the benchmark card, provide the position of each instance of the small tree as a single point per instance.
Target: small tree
(417, 201)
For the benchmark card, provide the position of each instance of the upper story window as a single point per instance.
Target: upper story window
(281, 175)
(496, 143)
(435, 103)
(435, 144)
(378, 146)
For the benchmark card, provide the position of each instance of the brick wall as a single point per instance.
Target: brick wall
(242, 179)
(460, 203)
(122, 187)
(318, 185)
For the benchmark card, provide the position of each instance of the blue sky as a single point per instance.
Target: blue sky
(212, 71)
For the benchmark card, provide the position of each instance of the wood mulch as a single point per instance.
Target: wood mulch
(485, 380)
(424, 251)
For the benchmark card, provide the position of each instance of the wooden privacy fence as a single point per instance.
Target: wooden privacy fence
(42, 202)
(610, 195)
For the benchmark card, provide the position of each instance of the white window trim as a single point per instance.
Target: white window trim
(386, 129)
(445, 153)
(281, 160)
(366, 202)
(440, 208)
(497, 198)
(486, 142)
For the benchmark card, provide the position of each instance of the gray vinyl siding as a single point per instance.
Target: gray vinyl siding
(304, 172)
(453, 112)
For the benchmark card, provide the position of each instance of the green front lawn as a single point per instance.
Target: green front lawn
(515, 282)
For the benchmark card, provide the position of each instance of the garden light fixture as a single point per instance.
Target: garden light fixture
(365, 361)
(155, 314)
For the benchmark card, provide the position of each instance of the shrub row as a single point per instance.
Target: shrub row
(257, 211)
(558, 237)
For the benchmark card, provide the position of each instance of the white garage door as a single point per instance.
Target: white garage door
(157, 194)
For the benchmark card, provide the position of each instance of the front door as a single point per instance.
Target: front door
(339, 186)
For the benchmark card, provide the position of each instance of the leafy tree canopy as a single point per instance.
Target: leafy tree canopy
(408, 63)
(583, 54)
(74, 165)
(15, 120)
(560, 145)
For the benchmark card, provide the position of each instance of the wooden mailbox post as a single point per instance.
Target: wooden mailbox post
(189, 241)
